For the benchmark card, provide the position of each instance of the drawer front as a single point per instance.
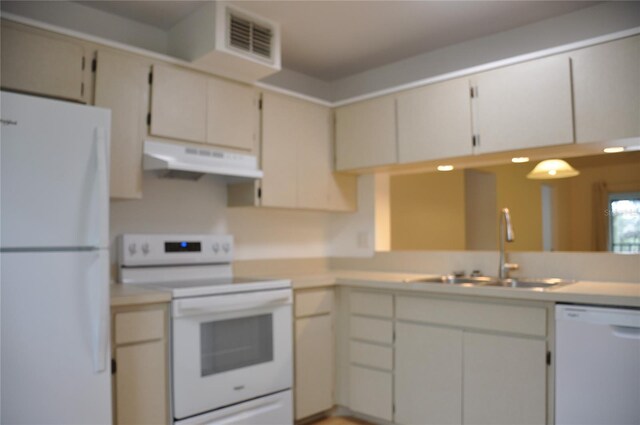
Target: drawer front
(371, 355)
(493, 317)
(139, 326)
(379, 305)
(371, 392)
(373, 330)
(317, 301)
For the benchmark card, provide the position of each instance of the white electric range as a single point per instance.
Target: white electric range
(231, 338)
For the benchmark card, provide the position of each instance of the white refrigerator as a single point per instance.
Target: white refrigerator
(54, 262)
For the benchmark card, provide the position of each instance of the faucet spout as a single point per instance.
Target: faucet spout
(506, 234)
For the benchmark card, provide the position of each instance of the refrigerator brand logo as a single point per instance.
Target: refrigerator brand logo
(8, 122)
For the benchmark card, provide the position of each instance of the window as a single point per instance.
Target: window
(624, 222)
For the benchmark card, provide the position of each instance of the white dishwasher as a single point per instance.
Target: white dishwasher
(597, 365)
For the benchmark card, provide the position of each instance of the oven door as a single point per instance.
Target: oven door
(230, 348)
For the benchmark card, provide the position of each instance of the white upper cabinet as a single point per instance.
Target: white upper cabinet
(366, 134)
(435, 122)
(527, 105)
(606, 81)
(122, 85)
(42, 64)
(179, 104)
(232, 115)
(297, 160)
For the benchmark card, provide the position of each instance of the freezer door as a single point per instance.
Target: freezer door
(54, 173)
(55, 338)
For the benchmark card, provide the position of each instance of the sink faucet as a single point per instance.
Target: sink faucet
(506, 234)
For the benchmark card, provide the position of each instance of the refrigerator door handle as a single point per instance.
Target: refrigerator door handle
(99, 290)
(102, 190)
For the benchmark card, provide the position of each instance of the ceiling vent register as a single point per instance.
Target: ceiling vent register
(249, 36)
(223, 39)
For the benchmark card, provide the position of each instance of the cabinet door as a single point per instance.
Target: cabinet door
(297, 157)
(314, 365)
(366, 134)
(49, 66)
(370, 392)
(279, 151)
(504, 379)
(428, 385)
(526, 105)
(606, 81)
(179, 104)
(141, 384)
(318, 186)
(232, 115)
(435, 122)
(122, 85)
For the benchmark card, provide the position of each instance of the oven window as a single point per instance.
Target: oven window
(235, 343)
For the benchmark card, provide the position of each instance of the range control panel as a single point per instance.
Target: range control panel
(158, 250)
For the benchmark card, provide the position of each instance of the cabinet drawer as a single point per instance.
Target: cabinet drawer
(139, 326)
(380, 305)
(370, 392)
(374, 330)
(493, 317)
(314, 302)
(371, 355)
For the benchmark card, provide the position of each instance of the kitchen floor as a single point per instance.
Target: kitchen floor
(339, 421)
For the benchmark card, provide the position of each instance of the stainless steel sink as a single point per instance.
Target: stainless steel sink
(523, 283)
(456, 280)
(531, 283)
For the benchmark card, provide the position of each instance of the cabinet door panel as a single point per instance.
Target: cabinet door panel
(504, 380)
(179, 104)
(37, 64)
(232, 115)
(279, 152)
(435, 122)
(122, 86)
(370, 392)
(141, 384)
(526, 105)
(314, 365)
(366, 134)
(606, 82)
(428, 375)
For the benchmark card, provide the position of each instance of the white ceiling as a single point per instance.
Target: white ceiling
(330, 40)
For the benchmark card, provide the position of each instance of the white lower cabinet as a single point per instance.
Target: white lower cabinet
(371, 392)
(314, 352)
(467, 362)
(141, 373)
(428, 374)
(504, 379)
(371, 354)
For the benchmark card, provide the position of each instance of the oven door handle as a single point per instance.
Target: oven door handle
(234, 302)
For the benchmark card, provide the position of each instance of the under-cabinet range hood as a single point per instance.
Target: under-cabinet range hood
(181, 161)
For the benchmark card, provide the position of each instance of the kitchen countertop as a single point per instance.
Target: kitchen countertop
(124, 295)
(583, 292)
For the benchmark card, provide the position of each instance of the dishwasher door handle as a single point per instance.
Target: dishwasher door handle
(628, 332)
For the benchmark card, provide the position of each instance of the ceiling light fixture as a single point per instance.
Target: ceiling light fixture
(552, 169)
(614, 149)
(520, 159)
(445, 167)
